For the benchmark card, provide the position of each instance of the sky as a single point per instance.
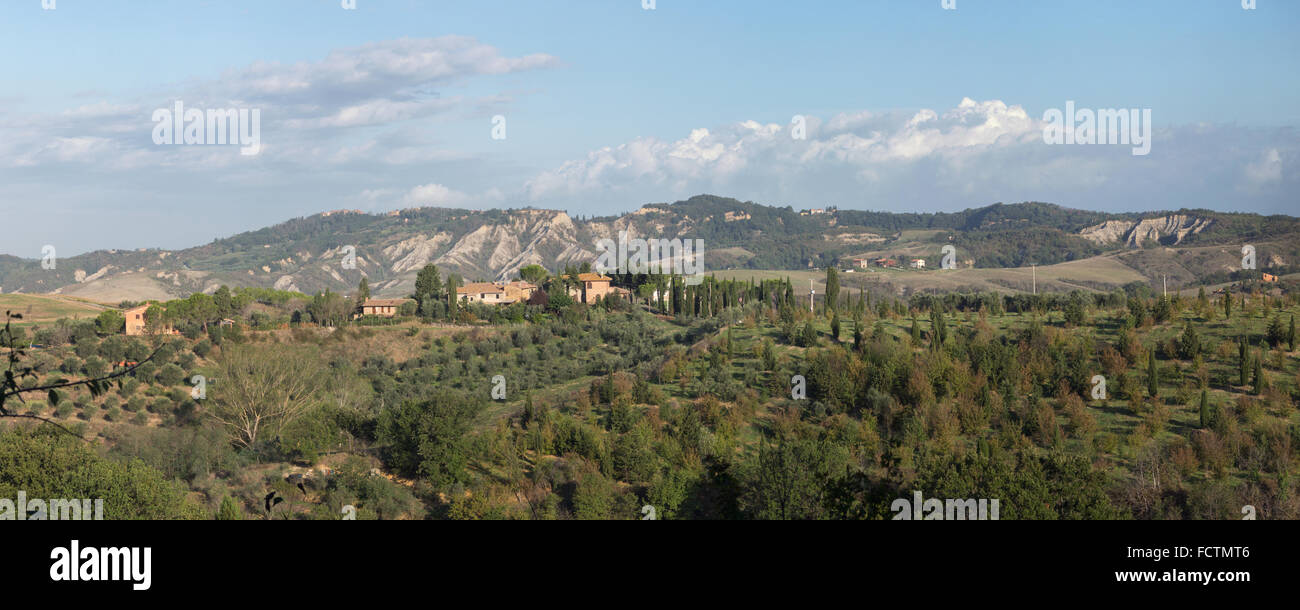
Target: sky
(597, 107)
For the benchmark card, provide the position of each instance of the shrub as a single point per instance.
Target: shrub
(170, 375)
(161, 405)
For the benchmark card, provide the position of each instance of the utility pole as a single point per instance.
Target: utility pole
(1165, 279)
(811, 296)
(1033, 267)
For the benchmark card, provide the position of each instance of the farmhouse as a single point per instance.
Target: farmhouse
(136, 324)
(499, 293)
(591, 287)
(519, 290)
(135, 319)
(917, 263)
(885, 262)
(386, 308)
(1270, 278)
(481, 292)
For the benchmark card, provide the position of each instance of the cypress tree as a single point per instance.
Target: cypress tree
(1153, 375)
(832, 288)
(809, 335)
(229, 511)
(1276, 336)
(1259, 375)
(1243, 362)
(1190, 344)
(1205, 409)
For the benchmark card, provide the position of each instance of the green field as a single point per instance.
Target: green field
(44, 308)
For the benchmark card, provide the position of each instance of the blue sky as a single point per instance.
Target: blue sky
(609, 106)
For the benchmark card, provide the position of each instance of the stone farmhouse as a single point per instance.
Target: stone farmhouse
(591, 287)
(385, 308)
(499, 293)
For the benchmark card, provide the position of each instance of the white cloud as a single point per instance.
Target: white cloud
(357, 73)
(853, 141)
(311, 111)
(1266, 170)
(972, 154)
(434, 195)
(428, 195)
(377, 112)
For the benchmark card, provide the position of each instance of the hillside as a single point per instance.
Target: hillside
(48, 308)
(308, 254)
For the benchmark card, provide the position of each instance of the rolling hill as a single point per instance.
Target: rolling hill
(1074, 248)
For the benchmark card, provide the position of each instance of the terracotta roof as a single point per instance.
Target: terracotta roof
(479, 287)
(592, 277)
(384, 302)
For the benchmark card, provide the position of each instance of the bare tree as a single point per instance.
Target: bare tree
(259, 390)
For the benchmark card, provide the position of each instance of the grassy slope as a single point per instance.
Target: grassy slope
(38, 308)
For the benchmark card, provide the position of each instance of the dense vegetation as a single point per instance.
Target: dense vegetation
(728, 399)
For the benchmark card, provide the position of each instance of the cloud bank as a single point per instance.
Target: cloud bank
(972, 154)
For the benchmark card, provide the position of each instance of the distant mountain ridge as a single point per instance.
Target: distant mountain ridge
(307, 254)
